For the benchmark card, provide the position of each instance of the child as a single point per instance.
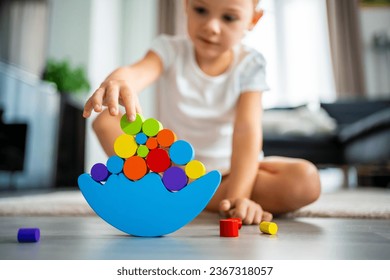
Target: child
(212, 88)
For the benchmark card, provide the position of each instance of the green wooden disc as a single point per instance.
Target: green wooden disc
(132, 128)
(151, 127)
(142, 151)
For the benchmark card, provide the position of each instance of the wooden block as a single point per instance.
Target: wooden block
(166, 137)
(228, 228)
(158, 160)
(99, 172)
(239, 221)
(135, 168)
(151, 127)
(141, 138)
(132, 128)
(174, 178)
(115, 164)
(268, 227)
(29, 235)
(125, 146)
(142, 151)
(195, 169)
(181, 152)
(152, 143)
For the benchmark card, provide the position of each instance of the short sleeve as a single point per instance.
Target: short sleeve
(252, 74)
(163, 47)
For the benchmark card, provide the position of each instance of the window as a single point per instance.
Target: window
(293, 37)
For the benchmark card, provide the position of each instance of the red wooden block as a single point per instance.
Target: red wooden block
(239, 221)
(228, 228)
(158, 160)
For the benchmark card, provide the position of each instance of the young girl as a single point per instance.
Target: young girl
(212, 88)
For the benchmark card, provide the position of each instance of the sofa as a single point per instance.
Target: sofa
(360, 137)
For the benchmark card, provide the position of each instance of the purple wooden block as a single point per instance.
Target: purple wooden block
(27, 235)
(99, 172)
(174, 178)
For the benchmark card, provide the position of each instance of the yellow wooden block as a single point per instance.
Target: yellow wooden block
(268, 227)
(125, 146)
(195, 169)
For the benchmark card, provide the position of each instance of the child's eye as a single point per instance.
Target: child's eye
(200, 10)
(229, 18)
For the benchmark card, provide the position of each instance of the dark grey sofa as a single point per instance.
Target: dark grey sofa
(362, 137)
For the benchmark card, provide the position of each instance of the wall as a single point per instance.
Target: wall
(69, 30)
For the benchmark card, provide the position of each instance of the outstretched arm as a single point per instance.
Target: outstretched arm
(123, 85)
(247, 145)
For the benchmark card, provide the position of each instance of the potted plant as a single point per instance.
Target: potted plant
(69, 80)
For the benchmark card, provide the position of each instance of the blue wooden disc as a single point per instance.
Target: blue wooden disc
(115, 164)
(141, 138)
(181, 152)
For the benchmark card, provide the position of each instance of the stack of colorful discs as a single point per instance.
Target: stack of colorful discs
(147, 147)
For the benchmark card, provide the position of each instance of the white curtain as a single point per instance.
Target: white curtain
(293, 36)
(346, 45)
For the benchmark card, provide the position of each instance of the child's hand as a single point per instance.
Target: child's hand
(110, 94)
(249, 211)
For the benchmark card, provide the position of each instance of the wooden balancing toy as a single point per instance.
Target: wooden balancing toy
(153, 186)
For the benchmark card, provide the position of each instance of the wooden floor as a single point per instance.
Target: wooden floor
(80, 238)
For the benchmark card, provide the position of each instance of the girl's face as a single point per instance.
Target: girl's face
(215, 26)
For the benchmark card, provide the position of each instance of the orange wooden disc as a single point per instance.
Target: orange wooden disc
(135, 168)
(152, 143)
(166, 137)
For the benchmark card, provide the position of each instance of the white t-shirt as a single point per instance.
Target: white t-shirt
(200, 108)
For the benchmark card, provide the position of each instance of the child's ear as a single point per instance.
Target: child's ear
(258, 14)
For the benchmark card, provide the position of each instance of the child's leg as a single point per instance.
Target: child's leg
(282, 185)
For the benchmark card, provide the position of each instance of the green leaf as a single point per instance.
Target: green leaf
(67, 78)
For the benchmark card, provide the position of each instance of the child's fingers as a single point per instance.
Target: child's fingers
(93, 103)
(111, 100)
(241, 210)
(87, 108)
(250, 216)
(258, 217)
(97, 100)
(128, 103)
(225, 205)
(267, 216)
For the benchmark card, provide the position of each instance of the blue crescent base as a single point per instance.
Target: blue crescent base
(145, 207)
